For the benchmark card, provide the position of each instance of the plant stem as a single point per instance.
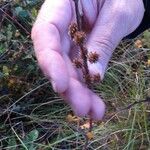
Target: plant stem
(83, 53)
(78, 15)
(83, 49)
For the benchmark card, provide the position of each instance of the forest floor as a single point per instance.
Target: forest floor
(33, 116)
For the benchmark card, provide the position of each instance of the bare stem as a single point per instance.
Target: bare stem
(78, 15)
(85, 68)
(91, 126)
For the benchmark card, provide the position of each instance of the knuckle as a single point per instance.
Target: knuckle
(122, 13)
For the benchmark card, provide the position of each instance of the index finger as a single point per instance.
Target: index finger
(52, 21)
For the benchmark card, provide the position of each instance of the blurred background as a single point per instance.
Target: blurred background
(34, 117)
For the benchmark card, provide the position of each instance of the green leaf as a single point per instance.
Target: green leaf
(21, 12)
(34, 12)
(2, 49)
(9, 32)
(33, 135)
(6, 70)
(2, 37)
(12, 143)
(30, 138)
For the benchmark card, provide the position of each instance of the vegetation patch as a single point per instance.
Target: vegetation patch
(34, 117)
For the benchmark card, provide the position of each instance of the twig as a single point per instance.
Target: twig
(28, 93)
(78, 15)
(14, 20)
(20, 140)
(147, 100)
(135, 103)
(80, 37)
(83, 49)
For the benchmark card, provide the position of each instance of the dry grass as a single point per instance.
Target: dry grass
(34, 117)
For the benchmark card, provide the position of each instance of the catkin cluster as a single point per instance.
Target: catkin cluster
(79, 38)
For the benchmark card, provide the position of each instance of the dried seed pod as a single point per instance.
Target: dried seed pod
(138, 44)
(72, 119)
(73, 28)
(90, 135)
(88, 78)
(148, 62)
(93, 57)
(79, 37)
(77, 62)
(17, 33)
(96, 78)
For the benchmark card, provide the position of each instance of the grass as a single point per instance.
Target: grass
(33, 117)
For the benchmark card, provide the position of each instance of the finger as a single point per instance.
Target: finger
(114, 22)
(82, 100)
(47, 46)
(78, 97)
(58, 13)
(90, 10)
(46, 35)
(97, 109)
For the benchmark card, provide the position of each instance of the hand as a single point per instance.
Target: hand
(108, 21)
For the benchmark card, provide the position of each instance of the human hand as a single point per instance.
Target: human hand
(107, 21)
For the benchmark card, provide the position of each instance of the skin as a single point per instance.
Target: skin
(107, 23)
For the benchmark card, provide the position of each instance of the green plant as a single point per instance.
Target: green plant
(28, 103)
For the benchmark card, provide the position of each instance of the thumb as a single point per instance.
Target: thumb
(116, 20)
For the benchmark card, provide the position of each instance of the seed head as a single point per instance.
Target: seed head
(87, 78)
(138, 44)
(90, 135)
(96, 78)
(77, 62)
(93, 57)
(73, 28)
(79, 37)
